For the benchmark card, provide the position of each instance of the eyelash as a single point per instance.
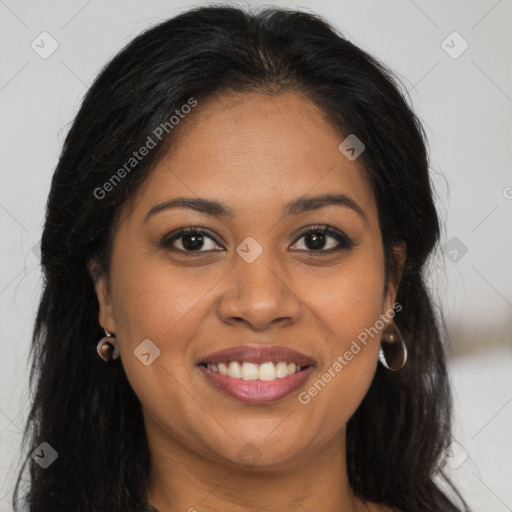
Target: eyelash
(325, 229)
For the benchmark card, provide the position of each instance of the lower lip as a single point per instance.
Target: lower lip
(257, 391)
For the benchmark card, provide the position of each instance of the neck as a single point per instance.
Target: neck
(181, 479)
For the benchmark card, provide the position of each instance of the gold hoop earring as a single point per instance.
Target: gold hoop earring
(393, 352)
(107, 347)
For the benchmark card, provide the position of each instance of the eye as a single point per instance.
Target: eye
(317, 237)
(191, 239)
(195, 239)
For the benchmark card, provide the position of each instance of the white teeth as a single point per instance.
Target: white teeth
(281, 370)
(250, 371)
(267, 371)
(234, 370)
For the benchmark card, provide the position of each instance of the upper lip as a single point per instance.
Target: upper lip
(258, 354)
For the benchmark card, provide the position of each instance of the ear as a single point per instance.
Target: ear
(102, 288)
(400, 254)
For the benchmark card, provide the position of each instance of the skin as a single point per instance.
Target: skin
(254, 152)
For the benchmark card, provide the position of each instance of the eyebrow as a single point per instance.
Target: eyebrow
(296, 207)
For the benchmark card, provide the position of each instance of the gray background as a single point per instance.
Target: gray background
(463, 99)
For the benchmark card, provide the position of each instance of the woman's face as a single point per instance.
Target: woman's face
(254, 280)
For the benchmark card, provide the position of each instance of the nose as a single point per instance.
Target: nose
(259, 294)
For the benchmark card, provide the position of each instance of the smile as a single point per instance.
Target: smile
(256, 383)
(252, 371)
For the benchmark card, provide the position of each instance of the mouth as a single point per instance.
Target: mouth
(255, 374)
(268, 371)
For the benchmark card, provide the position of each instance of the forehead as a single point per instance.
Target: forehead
(254, 152)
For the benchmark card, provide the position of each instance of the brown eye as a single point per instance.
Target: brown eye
(191, 240)
(316, 239)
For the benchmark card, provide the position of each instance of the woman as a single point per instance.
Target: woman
(234, 313)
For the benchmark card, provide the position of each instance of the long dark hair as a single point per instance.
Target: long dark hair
(85, 409)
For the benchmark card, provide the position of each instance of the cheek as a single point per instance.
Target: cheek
(347, 300)
(151, 297)
(164, 303)
(161, 303)
(346, 307)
